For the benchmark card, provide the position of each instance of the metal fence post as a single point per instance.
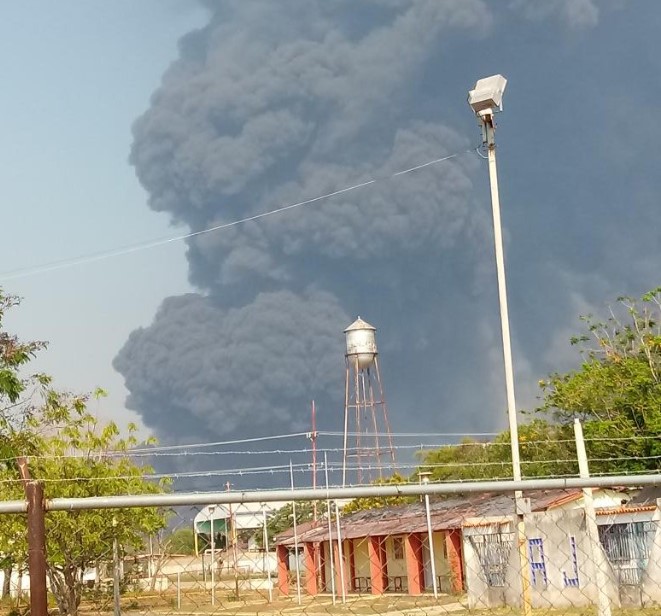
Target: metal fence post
(116, 578)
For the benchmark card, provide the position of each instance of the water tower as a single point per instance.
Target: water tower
(368, 453)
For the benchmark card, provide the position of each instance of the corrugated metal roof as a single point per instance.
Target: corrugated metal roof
(303, 527)
(445, 514)
(647, 496)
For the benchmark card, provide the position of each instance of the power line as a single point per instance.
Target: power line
(305, 467)
(188, 450)
(147, 245)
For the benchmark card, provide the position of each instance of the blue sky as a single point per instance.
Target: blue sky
(264, 104)
(75, 76)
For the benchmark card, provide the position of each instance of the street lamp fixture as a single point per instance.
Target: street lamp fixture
(487, 94)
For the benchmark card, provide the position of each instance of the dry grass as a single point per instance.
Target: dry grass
(254, 603)
(197, 602)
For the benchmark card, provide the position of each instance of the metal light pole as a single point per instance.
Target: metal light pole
(424, 479)
(235, 556)
(485, 100)
(265, 541)
(330, 531)
(293, 515)
(116, 572)
(212, 510)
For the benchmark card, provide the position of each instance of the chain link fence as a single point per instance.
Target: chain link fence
(469, 549)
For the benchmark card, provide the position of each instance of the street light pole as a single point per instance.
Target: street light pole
(489, 137)
(424, 480)
(485, 99)
(212, 510)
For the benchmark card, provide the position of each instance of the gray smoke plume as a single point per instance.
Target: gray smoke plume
(267, 105)
(273, 103)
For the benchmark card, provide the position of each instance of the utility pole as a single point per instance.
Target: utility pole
(313, 437)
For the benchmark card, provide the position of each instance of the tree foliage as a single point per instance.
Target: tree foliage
(615, 392)
(180, 541)
(282, 519)
(14, 354)
(75, 455)
(359, 504)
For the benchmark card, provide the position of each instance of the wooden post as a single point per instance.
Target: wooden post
(34, 492)
(34, 495)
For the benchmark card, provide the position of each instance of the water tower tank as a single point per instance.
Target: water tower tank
(361, 343)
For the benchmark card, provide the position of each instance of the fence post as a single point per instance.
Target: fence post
(603, 602)
(34, 493)
(116, 570)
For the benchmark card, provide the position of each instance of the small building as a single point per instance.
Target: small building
(388, 549)
(222, 517)
(631, 538)
(565, 563)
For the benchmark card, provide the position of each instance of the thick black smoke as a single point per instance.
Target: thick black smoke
(272, 103)
(269, 104)
(217, 367)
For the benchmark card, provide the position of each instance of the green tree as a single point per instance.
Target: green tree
(469, 459)
(616, 392)
(81, 457)
(14, 354)
(14, 411)
(545, 449)
(360, 504)
(181, 541)
(75, 455)
(283, 519)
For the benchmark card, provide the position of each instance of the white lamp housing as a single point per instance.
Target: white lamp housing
(487, 94)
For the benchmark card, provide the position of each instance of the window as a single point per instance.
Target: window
(628, 547)
(537, 562)
(398, 547)
(493, 551)
(572, 581)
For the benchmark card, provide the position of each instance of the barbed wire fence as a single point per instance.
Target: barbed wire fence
(451, 548)
(589, 543)
(410, 458)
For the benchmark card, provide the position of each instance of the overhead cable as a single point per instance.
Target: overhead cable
(147, 245)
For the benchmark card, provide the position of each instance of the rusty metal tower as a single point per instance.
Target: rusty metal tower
(366, 423)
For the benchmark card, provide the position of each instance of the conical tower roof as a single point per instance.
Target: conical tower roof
(359, 324)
